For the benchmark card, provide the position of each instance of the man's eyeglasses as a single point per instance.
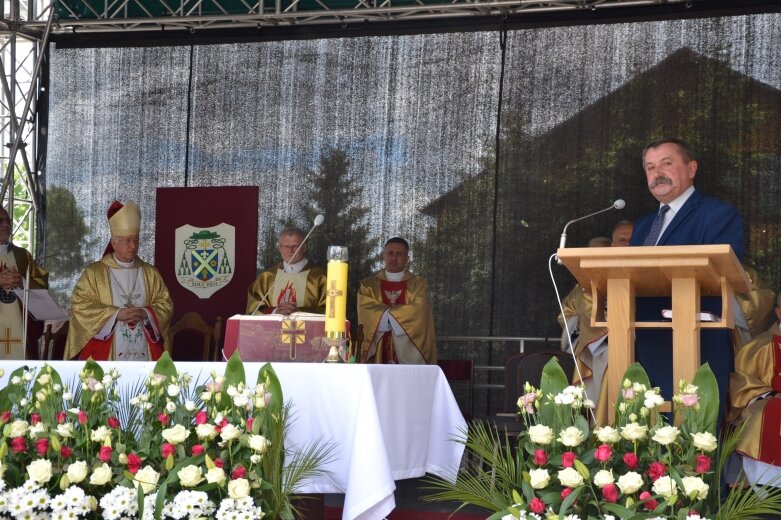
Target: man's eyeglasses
(126, 241)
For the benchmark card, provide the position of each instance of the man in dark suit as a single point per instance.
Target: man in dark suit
(684, 217)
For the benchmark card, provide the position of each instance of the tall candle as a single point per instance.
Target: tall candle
(336, 292)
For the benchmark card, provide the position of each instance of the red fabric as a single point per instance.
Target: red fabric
(393, 293)
(115, 206)
(769, 447)
(99, 350)
(776, 381)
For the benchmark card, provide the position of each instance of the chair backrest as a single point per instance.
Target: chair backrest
(192, 325)
(522, 368)
(54, 341)
(461, 371)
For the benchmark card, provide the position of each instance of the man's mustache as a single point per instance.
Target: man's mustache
(660, 180)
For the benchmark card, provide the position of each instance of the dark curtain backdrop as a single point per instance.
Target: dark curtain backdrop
(397, 136)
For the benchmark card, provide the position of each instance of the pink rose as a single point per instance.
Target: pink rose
(656, 470)
(703, 464)
(219, 463)
(537, 505)
(42, 446)
(201, 417)
(631, 460)
(568, 459)
(603, 453)
(61, 417)
(540, 457)
(35, 418)
(82, 417)
(197, 449)
(163, 418)
(105, 453)
(610, 493)
(113, 422)
(133, 463)
(5, 417)
(650, 505)
(238, 472)
(250, 422)
(19, 444)
(65, 452)
(565, 493)
(168, 449)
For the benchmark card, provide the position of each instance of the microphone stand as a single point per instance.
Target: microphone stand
(24, 309)
(619, 204)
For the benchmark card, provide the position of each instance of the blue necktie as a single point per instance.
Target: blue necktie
(656, 227)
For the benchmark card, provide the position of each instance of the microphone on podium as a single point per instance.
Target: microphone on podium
(618, 204)
(317, 221)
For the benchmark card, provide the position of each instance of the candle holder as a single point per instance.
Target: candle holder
(336, 303)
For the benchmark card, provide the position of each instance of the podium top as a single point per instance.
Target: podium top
(652, 268)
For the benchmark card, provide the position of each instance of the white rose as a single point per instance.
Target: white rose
(206, 397)
(206, 431)
(539, 478)
(570, 478)
(630, 482)
(65, 430)
(18, 428)
(603, 478)
(540, 434)
(190, 476)
(100, 475)
(189, 405)
(259, 443)
(215, 475)
(40, 470)
(176, 435)
(44, 379)
(36, 429)
(173, 390)
(101, 434)
(240, 401)
(107, 380)
(665, 486)
(230, 432)
(695, 486)
(77, 472)
(170, 407)
(147, 477)
(607, 435)
(666, 435)
(704, 441)
(238, 488)
(652, 399)
(634, 432)
(571, 437)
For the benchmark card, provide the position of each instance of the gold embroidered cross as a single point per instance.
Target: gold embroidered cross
(293, 334)
(8, 340)
(332, 294)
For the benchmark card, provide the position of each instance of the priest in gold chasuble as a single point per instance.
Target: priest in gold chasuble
(14, 262)
(293, 285)
(395, 311)
(121, 306)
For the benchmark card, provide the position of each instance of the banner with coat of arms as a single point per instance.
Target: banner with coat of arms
(204, 258)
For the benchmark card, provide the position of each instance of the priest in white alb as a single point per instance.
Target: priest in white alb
(121, 306)
(395, 311)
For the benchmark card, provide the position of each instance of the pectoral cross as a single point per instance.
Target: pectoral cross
(332, 294)
(8, 340)
(130, 299)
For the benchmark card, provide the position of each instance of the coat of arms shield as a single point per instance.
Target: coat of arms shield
(204, 258)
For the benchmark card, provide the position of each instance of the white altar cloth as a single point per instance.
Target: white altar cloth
(387, 422)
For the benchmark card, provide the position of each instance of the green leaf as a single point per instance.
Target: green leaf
(709, 399)
(91, 366)
(234, 371)
(552, 382)
(165, 366)
(570, 499)
(617, 510)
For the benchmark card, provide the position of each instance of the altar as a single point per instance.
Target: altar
(386, 422)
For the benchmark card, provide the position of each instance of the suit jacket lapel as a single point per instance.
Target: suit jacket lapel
(681, 216)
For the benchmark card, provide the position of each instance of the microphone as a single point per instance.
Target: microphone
(318, 220)
(618, 204)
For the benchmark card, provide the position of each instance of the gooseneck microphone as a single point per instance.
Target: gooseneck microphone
(618, 204)
(318, 220)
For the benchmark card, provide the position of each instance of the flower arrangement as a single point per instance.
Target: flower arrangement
(170, 448)
(641, 467)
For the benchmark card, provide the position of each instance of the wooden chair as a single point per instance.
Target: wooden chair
(54, 342)
(191, 326)
(462, 373)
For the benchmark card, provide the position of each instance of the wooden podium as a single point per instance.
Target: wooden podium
(620, 274)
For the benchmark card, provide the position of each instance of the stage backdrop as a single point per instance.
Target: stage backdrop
(397, 135)
(205, 249)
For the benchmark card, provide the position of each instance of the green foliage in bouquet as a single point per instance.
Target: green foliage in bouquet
(165, 448)
(640, 467)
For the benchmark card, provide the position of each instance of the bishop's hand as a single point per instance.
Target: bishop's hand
(10, 279)
(131, 315)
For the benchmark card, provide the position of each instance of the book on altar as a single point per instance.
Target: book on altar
(703, 316)
(299, 337)
(41, 305)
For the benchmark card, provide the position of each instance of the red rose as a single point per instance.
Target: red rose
(163, 418)
(82, 417)
(42, 446)
(168, 449)
(631, 460)
(61, 417)
(250, 421)
(113, 422)
(197, 449)
(568, 459)
(656, 470)
(650, 505)
(238, 472)
(65, 452)
(219, 463)
(5, 416)
(537, 505)
(540, 457)
(35, 418)
(222, 425)
(610, 493)
(105, 453)
(133, 463)
(603, 453)
(19, 444)
(201, 417)
(565, 493)
(703, 464)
